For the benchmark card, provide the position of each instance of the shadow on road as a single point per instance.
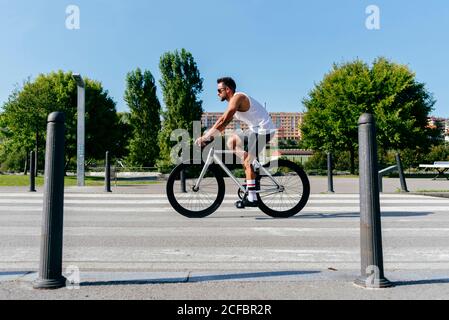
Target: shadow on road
(202, 278)
(421, 282)
(350, 215)
(13, 273)
(242, 276)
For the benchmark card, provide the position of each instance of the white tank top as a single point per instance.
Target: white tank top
(257, 118)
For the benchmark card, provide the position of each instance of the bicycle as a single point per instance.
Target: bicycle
(198, 190)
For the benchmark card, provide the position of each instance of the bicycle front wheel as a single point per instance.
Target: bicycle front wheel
(290, 196)
(195, 203)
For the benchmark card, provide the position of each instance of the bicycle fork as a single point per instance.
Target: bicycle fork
(203, 172)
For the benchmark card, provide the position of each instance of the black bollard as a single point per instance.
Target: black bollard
(183, 181)
(32, 177)
(50, 271)
(330, 180)
(372, 272)
(401, 173)
(107, 174)
(381, 185)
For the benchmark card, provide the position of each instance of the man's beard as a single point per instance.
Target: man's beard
(223, 99)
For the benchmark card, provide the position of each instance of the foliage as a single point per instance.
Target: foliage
(289, 144)
(181, 84)
(438, 153)
(388, 90)
(26, 111)
(144, 118)
(318, 161)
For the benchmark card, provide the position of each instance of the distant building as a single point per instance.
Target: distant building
(441, 124)
(446, 130)
(287, 123)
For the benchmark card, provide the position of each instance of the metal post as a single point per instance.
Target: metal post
(107, 174)
(80, 158)
(330, 180)
(401, 173)
(372, 272)
(50, 271)
(32, 177)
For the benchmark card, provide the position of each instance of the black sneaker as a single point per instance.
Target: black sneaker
(242, 204)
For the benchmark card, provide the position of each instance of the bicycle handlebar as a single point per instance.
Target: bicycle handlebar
(207, 142)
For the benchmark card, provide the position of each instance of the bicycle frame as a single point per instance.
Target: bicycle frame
(213, 157)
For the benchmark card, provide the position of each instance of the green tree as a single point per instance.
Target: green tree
(10, 157)
(390, 91)
(438, 153)
(3, 129)
(26, 111)
(145, 121)
(181, 83)
(334, 106)
(401, 106)
(125, 129)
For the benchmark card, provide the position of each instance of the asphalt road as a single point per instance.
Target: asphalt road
(132, 245)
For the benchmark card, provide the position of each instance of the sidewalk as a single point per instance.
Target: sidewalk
(291, 285)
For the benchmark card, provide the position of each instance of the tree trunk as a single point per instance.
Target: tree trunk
(352, 159)
(384, 155)
(25, 171)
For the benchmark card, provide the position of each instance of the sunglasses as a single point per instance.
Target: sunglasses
(220, 90)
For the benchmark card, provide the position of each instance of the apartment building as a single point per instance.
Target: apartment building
(286, 122)
(441, 124)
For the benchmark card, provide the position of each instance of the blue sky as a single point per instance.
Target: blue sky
(275, 50)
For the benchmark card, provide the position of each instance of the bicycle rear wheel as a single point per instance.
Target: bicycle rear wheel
(195, 203)
(293, 194)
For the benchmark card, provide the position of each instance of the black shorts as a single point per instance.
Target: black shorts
(254, 143)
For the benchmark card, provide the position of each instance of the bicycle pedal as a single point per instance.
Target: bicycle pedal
(240, 205)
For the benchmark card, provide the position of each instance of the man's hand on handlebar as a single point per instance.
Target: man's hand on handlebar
(204, 141)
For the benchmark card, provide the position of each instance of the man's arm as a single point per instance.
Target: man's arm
(226, 118)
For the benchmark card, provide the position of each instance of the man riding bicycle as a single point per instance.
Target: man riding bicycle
(261, 129)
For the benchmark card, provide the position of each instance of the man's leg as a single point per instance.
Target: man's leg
(250, 156)
(236, 143)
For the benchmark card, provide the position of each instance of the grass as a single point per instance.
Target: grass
(70, 181)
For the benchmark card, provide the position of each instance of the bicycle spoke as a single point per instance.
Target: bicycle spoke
(204, 197)
(292, 189)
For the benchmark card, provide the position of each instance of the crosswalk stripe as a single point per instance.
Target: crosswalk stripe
(142, 231)
(161, 195)
(228, 231)
(239, 254)
(223, 208)
(165, 201)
